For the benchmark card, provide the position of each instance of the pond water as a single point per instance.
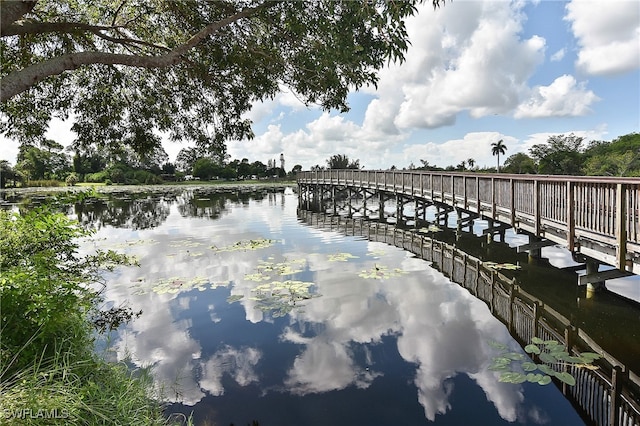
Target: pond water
(251, 315)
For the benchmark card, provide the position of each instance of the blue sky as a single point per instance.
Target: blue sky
(476, 72)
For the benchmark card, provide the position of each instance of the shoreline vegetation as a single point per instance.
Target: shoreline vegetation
(101, 187)
(52, 315)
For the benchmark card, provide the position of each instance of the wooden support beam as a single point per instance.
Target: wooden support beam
(496, 228)
(535, 245)
(574, 268)
(602, 276)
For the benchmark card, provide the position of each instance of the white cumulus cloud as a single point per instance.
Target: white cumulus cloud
(564, 97)
(608, 35)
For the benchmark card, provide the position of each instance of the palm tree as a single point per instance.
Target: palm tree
(471, 162)
(498, 148)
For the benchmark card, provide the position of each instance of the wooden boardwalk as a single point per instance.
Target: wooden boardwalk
(598, 217)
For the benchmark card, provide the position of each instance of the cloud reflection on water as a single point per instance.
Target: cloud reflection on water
(439, 327)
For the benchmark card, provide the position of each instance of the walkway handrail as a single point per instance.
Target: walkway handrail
(583, 213)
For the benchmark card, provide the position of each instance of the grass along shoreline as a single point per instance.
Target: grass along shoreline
(49, 311)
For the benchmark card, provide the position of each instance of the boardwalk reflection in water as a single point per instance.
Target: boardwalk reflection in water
(408, 349)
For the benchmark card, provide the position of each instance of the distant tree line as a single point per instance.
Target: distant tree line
(49, 164)
(561, 155)
(48, 161)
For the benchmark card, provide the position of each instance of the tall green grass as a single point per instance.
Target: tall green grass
(50, 316)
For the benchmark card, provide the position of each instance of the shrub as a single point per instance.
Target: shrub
(72, 179)
(44, 183)
(97, 177)
(47, 301)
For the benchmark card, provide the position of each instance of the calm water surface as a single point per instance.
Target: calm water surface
(249, 314)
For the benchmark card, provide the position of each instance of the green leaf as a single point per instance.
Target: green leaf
(513, 377)
(532, 349)
(546, 369)
(514, 356)
(498, 345)
(545, 380)
(529, 366)
(589, 356)
(548, 358)
(537, 341)
(566, 378)
(534, 378)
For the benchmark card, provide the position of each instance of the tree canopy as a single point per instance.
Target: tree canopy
(125, 70)
(341, 161)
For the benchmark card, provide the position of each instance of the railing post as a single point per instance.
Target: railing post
(616, 385)
(493, 198)
(512, 188)
(536, 206)
(431, 180)
(512, 295)
(571, 216)
(621, 226)
(464, 192)
(479, 207)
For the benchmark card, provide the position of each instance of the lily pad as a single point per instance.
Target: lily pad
(379, 272)
(245, 245)
(341, 257)
(532, 349)
(566, 378)
(513, 377)
(501, 266)
(280, 297)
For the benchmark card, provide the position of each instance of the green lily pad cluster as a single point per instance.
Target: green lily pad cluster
(134, 243)
(268, 270)
(379, 272)
(186, 243)
(549, 353)
(501, 266)
(176, 285)
(274, 295)
(341, 257)
(280, 297)
(245, 245)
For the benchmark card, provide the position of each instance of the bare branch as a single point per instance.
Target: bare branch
(130, 41)
(35, 27)
(115, 14)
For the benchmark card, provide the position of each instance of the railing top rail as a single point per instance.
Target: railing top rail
(503, 176)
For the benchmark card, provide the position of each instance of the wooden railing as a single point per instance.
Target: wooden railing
(597, 216)
(609, 395)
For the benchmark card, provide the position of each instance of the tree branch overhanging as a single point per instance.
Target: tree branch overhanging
(21, 80)
(11, 11)
(34, 27)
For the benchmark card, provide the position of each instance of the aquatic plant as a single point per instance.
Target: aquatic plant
(244, 245)
(430, 229)
(341, 257)
(280, 297)
(516, 367)
(379, 272)
(501, 266)
(175, 285)
(281, 268)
